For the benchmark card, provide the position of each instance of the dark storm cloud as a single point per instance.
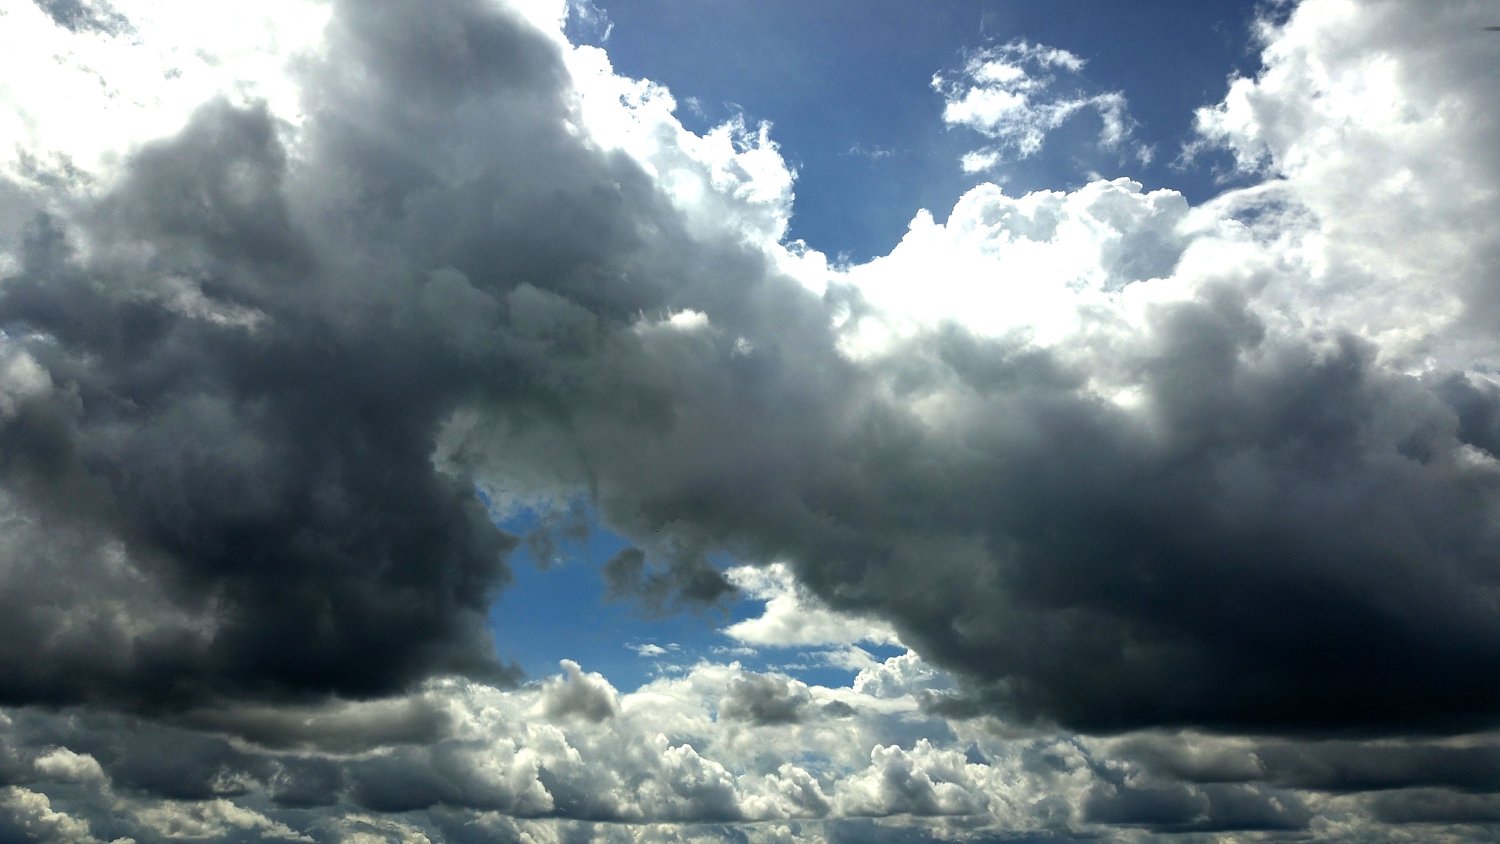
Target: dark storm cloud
(1467, 764)
(199, 766)
(237, 457)
(334, 728)
(1435, 806)
(1176, 807)
(1285, 531)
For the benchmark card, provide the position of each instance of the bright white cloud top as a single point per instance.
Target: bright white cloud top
(1183, 514)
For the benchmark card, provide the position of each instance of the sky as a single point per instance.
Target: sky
(553, 421)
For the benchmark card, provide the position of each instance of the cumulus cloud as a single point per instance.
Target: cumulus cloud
(575, 693)
(1370, 119)
(922, 781)
(65, 765)
(26, 815)
(766, 699)
(1134, 478)
(722, 745)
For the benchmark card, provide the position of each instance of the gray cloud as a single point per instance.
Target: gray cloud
(575, 693)
(86, 16)
(766, 699)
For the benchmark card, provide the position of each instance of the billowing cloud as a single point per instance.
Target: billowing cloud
(707, 747)
(1133, 479)
(579, 694)
(27, 815)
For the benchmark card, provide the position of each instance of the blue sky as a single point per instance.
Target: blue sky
(562, 611)
(841, 81)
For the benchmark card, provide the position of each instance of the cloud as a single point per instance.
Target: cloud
(1037, 267)
(212, 819)
(86, 15)
(343, 727)
(28, 815)
(66, 766)
(793, 615)
(575, 693)
(714, 745)
(922, 781)
(684, 578)
(1012, 95)
(766, 699)
(1078, 497)
(1133, 479)
(899, 676)
(1370, 118)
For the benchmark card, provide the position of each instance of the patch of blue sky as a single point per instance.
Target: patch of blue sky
(557, 607)
(847, 87)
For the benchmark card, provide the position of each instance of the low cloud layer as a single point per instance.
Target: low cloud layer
(742, 755)
(1135, 478)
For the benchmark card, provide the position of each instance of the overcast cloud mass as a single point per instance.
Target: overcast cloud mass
(1184, 515)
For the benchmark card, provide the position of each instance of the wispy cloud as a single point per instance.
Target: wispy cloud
(1017, 93)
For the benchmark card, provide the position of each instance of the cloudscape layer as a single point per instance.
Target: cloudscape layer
(1118, 513)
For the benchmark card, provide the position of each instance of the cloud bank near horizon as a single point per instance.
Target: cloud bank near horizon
(1135, 480)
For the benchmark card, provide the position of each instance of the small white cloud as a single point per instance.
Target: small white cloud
(650, 649)
(588, 22)
(67, 766)
(874, 152)
(1017, 93)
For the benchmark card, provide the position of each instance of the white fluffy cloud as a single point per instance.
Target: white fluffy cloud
(1045, 267)
(125, 72)
(1372, 122)
(27, 815)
